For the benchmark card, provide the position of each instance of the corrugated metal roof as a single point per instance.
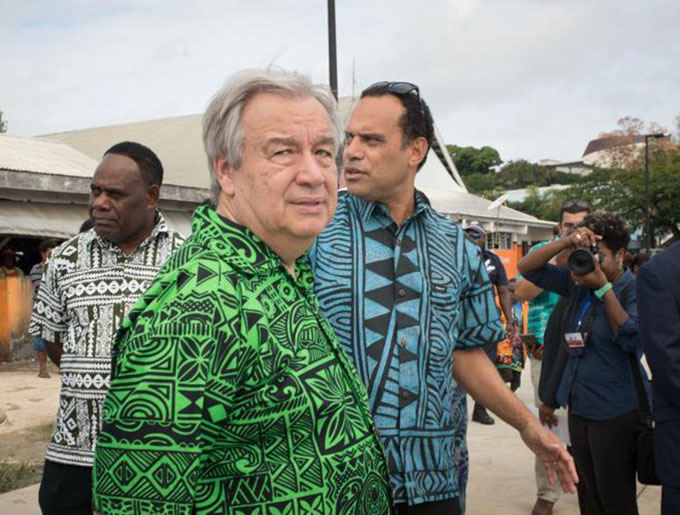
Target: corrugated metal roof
(177, 142)
(40, 156)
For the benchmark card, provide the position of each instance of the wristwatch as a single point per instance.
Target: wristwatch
(600, 293)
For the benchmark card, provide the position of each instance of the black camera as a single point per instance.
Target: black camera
(582, 260)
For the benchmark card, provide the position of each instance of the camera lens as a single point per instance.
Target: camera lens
(581, 261)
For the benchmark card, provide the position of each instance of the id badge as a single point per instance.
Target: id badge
(575, 343)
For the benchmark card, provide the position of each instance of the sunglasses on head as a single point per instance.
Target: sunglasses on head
(474, 235)
(397, 88)
(400, 88)
(581, 204)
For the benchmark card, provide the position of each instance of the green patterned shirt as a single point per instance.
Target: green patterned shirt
(230, 393)
(540, 307)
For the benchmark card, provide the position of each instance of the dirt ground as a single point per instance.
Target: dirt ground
(29, 404)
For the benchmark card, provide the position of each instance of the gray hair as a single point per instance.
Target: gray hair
(222, 123)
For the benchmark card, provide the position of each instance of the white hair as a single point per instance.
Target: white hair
(222, 123)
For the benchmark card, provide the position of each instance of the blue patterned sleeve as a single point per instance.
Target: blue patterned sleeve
(479, 322)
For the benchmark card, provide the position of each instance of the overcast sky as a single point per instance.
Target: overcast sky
(533, 78)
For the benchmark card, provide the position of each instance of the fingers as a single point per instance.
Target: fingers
(584, 237)
(565, 470)
(548, 466)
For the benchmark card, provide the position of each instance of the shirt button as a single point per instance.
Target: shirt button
(398, 241)
(403, 342)
(402, 292)
(404, 394)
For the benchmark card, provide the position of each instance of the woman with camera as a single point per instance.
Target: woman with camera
(599, 330)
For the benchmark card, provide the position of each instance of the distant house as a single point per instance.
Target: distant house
(613, 151)
(573, 167)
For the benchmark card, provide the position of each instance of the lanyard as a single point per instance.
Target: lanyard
(586, 304)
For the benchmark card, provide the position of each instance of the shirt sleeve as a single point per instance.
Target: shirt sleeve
(172, 383)
(49, 319)
(479, 322)
(552, 278)
(628, 335)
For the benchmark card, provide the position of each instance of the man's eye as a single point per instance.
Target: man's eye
(324, 153)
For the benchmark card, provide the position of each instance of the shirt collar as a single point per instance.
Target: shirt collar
(371, 208)
(160, 228)
(241, 248)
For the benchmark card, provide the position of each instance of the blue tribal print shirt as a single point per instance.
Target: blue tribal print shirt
(400, 300)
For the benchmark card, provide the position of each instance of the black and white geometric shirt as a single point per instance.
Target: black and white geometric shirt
(88, 289)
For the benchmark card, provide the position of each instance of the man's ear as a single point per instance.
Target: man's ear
(154, 192)
(224, 173)
(620, 256)
(419, 150)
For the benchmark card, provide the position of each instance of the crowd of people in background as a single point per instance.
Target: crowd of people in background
(268, 361)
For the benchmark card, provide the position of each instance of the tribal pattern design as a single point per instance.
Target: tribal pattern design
(230, 393)
(87, 290)
(401, 299)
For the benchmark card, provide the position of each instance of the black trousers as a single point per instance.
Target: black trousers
(603, 452)
(65, 489)
(670, 500)
(446, 507)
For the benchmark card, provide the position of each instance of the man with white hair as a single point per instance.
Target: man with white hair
(229, 392)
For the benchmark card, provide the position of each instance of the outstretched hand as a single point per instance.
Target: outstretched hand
(554, 456)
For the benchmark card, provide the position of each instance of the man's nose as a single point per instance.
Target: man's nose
(100, 202)
(353, 150)
(311, 171)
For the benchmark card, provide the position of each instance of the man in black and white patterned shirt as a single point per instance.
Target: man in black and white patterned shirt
(91, 283)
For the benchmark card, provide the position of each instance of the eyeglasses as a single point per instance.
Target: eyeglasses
(581, 204)
(399, 88)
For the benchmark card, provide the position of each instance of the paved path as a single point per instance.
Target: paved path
(501, 468)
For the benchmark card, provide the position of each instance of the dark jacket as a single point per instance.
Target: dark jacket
(658, 285)
(554, 356)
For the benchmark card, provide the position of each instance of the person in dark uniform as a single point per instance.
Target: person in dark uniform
(658, 289)
(499, 279)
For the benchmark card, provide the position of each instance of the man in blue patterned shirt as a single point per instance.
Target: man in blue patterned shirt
(408, 296)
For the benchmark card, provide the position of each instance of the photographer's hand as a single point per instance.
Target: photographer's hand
(582, 237)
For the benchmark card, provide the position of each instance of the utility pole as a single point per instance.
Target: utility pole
(648, 220)
(332, 52)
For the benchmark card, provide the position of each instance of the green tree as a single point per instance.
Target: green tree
(482, 184)
(469, 160)
(3, 124)
(623, 191)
